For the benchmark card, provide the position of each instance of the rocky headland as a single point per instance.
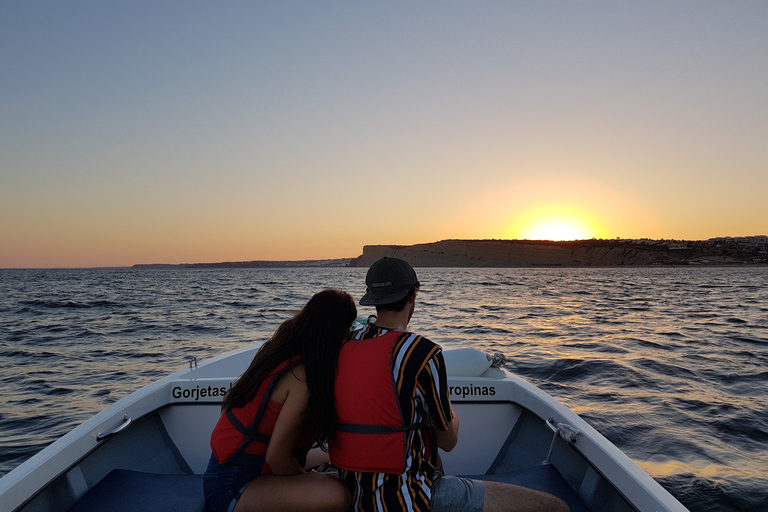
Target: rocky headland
(580, 253)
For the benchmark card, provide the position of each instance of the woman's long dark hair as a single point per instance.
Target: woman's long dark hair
(315, 334)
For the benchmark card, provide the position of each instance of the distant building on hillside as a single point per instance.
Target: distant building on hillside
(754, 243)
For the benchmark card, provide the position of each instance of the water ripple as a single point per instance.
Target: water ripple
(668, 363)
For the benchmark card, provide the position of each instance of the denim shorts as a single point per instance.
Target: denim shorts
(457, 494)
(223, 485)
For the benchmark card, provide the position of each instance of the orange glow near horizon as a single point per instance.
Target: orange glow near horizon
(558, 231)
(557, 223)
(549, 209)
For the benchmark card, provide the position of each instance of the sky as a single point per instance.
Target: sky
(189, 131)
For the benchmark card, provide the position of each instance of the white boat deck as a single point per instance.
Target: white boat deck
(503, 435)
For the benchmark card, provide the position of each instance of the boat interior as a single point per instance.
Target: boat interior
(156, 464)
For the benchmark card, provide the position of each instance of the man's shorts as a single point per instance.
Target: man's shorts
(456, 494)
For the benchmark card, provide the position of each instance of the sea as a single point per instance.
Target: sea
(669, 363)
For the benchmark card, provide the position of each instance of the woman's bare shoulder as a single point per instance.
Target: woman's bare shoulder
(292, 381)
(299, 373)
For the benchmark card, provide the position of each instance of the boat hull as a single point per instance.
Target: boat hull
(506, 432)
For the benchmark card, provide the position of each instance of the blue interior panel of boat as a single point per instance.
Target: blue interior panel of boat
(544, 478)
(123, 491)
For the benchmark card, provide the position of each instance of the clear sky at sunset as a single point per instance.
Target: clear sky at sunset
(190, 131)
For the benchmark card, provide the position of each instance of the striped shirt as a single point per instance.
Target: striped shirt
(418, 371)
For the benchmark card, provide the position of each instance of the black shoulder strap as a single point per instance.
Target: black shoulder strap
(359, 428)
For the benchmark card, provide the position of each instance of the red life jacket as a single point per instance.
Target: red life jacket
(371, 432)
(219, 437)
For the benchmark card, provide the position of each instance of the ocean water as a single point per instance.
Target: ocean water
(670, 364)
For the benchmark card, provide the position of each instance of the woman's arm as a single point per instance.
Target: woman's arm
(290, 423)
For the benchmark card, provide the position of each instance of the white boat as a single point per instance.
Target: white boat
(147, 451)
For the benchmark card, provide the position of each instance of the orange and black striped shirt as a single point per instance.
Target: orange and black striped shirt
(418, 371)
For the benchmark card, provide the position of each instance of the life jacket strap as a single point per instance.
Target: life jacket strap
(248, 433)
(358, 428)
(251, 434)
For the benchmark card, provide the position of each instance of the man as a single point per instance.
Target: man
(394, 412)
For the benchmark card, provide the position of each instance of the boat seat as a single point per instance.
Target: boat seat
(123, 491)
(544, 478)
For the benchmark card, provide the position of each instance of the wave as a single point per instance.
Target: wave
(669, 364)
(71, 304)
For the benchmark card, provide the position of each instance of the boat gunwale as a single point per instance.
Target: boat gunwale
(53, 462)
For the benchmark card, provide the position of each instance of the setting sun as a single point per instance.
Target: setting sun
(557, 231)
(555, 223)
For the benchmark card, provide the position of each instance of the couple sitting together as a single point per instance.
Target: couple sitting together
(377, 398)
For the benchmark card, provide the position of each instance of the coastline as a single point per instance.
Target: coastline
(525, 254)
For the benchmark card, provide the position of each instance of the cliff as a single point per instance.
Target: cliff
(527, 253)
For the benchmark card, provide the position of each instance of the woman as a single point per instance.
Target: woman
(279, 408)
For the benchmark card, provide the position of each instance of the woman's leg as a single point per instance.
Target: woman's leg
(311, 492)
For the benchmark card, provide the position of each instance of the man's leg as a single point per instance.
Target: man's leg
(456, 494)
(500, 497)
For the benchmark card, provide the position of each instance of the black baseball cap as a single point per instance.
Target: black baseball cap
(388, 281)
